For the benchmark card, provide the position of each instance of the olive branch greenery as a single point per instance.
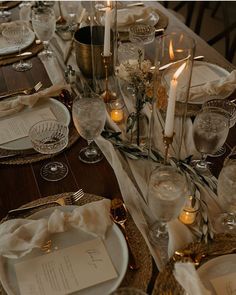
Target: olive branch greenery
(136, 152)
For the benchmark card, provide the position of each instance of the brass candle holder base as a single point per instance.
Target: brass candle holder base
(167, 142)
(108, 96)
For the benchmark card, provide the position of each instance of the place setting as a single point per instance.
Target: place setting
(94, 244)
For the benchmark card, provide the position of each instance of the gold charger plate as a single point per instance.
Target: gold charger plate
(167, 285)
(138, 279)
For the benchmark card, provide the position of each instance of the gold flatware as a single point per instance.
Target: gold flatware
(119, 216)
(68, 200)
(199, 57)
(27, 91)
(135, 4)
(27, 53)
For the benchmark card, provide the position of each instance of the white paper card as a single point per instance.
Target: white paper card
(65, 271)
(225, 285)
(202, 75)
(19, 125)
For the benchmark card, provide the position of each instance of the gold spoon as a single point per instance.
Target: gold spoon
(119, 216)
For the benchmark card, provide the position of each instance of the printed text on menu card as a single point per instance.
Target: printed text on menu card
(66, 271)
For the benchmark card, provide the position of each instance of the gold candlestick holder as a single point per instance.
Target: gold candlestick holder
(167, 142)
(108, 96)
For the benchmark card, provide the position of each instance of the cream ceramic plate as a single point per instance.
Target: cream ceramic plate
(202, 73)
(218, 267)
(114, 243)
(59, 110)
(7, 48)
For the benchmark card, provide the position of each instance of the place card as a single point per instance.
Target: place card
(202, 75)
(19, 125)
(225, 284)
(67, 270)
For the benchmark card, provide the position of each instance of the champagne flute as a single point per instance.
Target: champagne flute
(17, 35)
(44, 25)
(50, 137)
(89, 115)
(210, 130)
(167, 191)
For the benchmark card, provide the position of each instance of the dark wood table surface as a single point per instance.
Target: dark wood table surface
(22, 183)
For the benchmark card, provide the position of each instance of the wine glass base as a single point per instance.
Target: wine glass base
(201, 169)
(90, 157)
(54, 171)
(46, 54)
(22, 66)
(225, 223)
(221, 151)
(5, 16)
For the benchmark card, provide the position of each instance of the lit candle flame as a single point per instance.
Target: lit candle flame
(171, 50)
(179, 71)
(108, 3)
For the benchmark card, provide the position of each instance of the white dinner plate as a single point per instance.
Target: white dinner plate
(7, 48)
(58, 109)
(215, 73)
(114, 243)
(217, 267)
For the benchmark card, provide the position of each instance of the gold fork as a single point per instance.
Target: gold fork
(68, 200)
(27, 91)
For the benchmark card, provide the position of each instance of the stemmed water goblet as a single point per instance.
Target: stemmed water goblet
(210, 130)
(44, 25)
(50, 137)
(226, 190)
(18, 35)
(167, 191)
(89, 115)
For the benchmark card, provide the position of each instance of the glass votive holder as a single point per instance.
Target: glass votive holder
(189, 213)
(117, 111)
(141, 33)
(128, 291)
(129, 51)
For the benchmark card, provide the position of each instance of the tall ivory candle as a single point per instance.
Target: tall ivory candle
(170, 113)
(106, 50)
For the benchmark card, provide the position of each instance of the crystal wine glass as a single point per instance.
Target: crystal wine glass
(18, 35)
(226, 190)
(50, 137)
(229, 107)
(44, 24)
(89, 115)
(210, 130)
(167, 191)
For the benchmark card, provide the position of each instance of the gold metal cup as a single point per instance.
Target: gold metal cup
(88, 43)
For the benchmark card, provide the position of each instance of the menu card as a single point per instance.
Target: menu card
(225, 285)
(19, 125)
(202, 75)
(67, 270)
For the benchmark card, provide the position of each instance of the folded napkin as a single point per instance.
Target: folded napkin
(223, 87)
(20, 236)
(126, 17)
(15, 105)
(187, 277)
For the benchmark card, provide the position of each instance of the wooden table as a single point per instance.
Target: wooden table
(21, 184)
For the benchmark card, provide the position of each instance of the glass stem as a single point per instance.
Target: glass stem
(91, 150)
(46, 45)
(203, 160)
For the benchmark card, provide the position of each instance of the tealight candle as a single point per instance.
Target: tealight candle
(117, 111)
(189, 212)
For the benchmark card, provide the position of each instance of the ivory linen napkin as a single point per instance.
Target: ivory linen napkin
(13, 106)
(20, 236)
(222, 87)
(187, 277)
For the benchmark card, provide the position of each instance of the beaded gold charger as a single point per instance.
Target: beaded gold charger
(222, 244)
(19, 157)
(139, 278)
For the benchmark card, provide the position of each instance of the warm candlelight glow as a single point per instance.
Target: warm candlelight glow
(189, 213)
(171, 50)
(170, 113)
(117, 115)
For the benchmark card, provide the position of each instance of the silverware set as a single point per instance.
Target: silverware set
(27, 91)
(62, 201)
